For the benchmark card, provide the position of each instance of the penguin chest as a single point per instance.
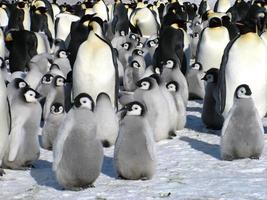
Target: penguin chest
(94, 70)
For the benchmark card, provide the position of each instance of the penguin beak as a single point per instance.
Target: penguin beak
(204, 78)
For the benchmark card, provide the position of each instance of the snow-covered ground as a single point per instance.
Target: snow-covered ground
(189, 167)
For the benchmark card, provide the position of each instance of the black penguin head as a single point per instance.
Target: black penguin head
(135, 108)
(20, 83)
(197, 66)
(211, 75)
(135, 64)
(243, 91)
(41, 10)
(126, 46)
(59, 81)
(57, 108)
(170, 63)
(172, 86)
(47, 79)
(151, 43)
(145, 83)
(215, 22)
(138, 52)
(30, 95)
(84, 100)
(62, 54)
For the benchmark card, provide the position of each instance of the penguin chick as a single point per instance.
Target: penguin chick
(78, 155)
(196, 87)
(211, 115)
(107, 120)
(242, 133)
(24, 147)
(173, 88)
(134, 153)
(52, 125)
(149, 92)
(55, 94)
(14, 87)
(63, 62)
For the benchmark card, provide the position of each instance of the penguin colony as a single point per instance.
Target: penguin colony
(93, 75)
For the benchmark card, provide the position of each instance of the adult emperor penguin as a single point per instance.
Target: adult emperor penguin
(211, 45)
(211, 115)
(143, 22)
(222, 6)
(251, 67)
(242, 133)
(134, 153)
(52, 125)
(23, 147)
(4, 121)
(196, 87)
(107, 120)
(80, 168)
(149, 92)
(95, 69)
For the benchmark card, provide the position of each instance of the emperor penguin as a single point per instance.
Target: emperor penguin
(23, 147)
(107, 120)
(251, 67)
(62, 61)
(212, 43)
(149, 92)
(196, 87)
(14, 87)
(242, 133)
(134, 72)
(211, 115)
(171, 71)
(80, 168)
(222, 6)
(52, 124)
(56, 94)
(143, 22)
(45, 84)
(4, 122)
(2, 43)
(95, 69)
(134, 153)
(180, 108)
(4, 15)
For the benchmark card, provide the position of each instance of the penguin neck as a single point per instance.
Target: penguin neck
(97, 29)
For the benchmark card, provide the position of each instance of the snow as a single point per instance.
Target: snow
(189, 167)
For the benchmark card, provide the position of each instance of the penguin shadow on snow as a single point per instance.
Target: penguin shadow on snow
(209, 149)
(108, 168)
(43, 174)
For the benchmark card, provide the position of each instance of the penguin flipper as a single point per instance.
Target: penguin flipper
(16, 138)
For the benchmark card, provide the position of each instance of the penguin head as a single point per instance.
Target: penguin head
(138, 52)
(30, 95)
(47, 79)
(172, 86)
(215, 22)
(84, 100)
(126, 46)
(158, 70)
(169, 64)
(243, 91)
(132, 36)
(145, 83)
(211, 75)
(20, 83)
(135, 64)
(140, 45)
(197, 66)
(62, 54)
(135, 108)
(57, 108)
(59, 81)
(151, 43)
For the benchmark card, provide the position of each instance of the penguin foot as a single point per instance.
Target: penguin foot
(172, 134)
(2, 172)
(144, 178)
